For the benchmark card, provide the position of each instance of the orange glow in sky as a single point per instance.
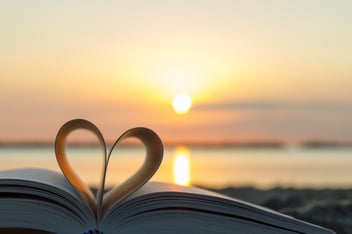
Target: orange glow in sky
(254, 71)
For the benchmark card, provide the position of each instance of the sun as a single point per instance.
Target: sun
(182, 103)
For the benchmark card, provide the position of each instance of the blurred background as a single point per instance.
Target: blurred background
(242, 93)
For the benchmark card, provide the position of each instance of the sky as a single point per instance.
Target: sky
(255, 70)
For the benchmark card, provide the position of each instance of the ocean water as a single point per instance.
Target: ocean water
(215, 167)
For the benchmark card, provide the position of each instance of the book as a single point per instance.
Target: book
(34, 200)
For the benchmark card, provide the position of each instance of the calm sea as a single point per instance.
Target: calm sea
(212, 167)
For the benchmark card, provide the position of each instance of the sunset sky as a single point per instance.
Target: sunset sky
(255, 70)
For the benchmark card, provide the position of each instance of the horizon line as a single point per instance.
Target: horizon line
(235, 144)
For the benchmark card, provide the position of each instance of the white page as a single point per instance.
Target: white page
(156, 196)
(44, 184)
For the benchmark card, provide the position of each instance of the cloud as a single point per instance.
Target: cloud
(286, 120)
(274, 106)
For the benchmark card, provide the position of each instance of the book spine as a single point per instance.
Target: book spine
(93, 231)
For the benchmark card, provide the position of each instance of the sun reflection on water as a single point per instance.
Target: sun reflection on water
(182, 166)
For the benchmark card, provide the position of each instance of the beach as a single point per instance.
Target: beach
(330, 208)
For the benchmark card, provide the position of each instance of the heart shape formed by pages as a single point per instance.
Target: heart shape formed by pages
(102, 202)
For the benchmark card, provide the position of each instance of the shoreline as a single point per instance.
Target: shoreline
(240, 145)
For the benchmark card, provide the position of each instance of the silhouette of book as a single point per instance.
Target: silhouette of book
(44, 201)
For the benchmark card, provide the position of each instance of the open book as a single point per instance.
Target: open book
(44, 201)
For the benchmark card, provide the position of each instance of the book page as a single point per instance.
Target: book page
(43, 183)
(157, 199)
(41, 177)
(44, 200)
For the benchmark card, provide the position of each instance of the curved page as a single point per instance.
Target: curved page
(168, 208)
(43, 200)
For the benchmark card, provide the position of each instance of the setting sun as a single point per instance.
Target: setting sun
(182, 103)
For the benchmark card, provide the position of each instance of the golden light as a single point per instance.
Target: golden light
(182, 103)
(182, 169)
